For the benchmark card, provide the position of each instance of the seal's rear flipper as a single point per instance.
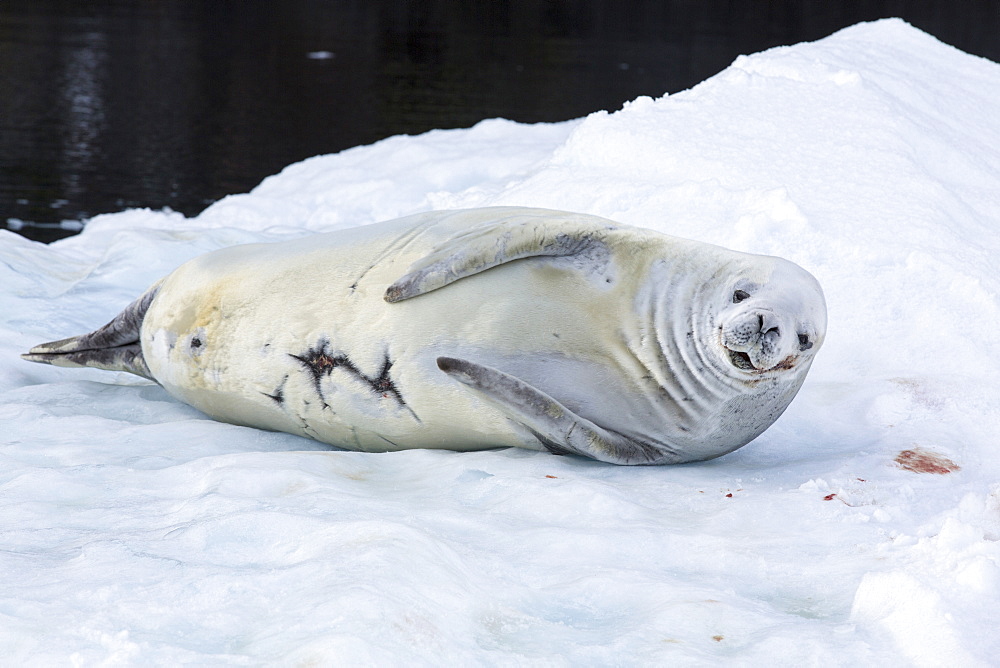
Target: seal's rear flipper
(114, 347)
(559, 429)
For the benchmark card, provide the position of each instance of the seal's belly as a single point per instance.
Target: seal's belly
(309, 345)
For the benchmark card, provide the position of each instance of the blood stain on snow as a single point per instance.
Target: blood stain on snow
(919, 460)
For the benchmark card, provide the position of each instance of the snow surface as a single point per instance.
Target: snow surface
(133, 530)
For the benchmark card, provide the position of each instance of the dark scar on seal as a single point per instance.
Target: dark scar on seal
(396, 246)
(395, 445)
(279, 392)
(384, 385)
(320, 362)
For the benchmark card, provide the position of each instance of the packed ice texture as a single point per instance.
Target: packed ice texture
(863, 528)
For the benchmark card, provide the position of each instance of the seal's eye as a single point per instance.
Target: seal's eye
(739, 296)
(804, 342)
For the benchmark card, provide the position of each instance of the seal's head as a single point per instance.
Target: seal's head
(772, 323)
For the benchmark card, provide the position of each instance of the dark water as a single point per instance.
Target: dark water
(176, 103)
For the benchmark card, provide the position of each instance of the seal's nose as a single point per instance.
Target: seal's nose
(767, 323)
(757, 339)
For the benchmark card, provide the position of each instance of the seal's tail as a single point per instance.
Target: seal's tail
(114, 347)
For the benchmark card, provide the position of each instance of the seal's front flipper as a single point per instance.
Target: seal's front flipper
(114, 347)
(519, 234)
(559, 429)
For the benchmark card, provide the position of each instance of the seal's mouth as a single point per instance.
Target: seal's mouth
(741, 360)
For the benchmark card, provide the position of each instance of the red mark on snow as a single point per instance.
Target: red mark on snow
(829, 497)
(550, 476)
(919, 460)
